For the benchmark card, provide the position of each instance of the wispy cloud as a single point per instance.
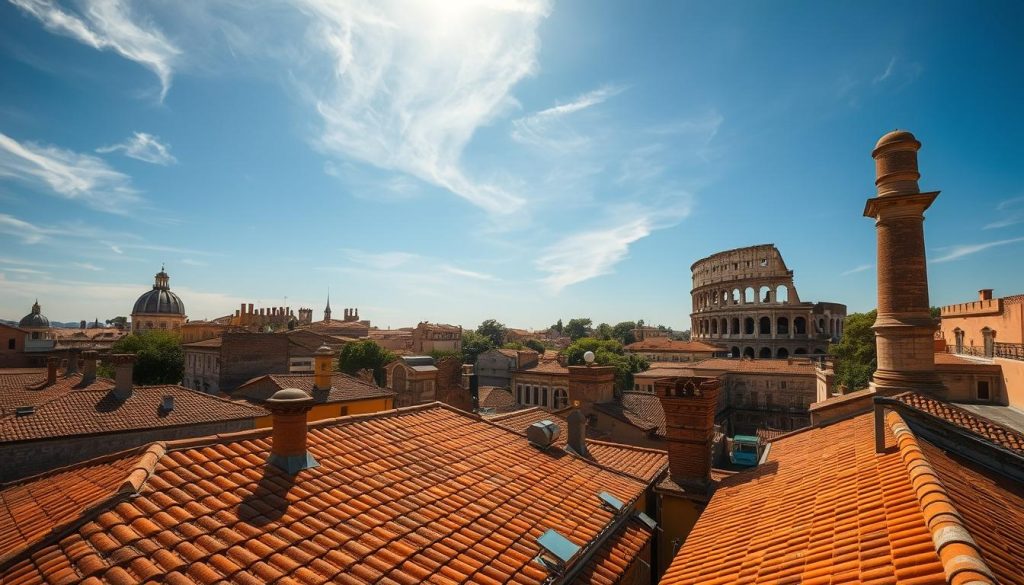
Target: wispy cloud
(1012, 211)
(87, 266)
(546, 127)
(29, 233)
(108, 24)
(382, 260)
(885, 74)
(467, 273)
(67, 174)
(860, 268)
(409, 84)
(960, 251)
(144, 147)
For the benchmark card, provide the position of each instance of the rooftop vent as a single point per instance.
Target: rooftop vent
(24, 410)
(542, 434)
(557, 552)
(610, 502)
(167, 403)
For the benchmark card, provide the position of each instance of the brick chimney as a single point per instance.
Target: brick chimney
(985, 294)
(52, 363)
(124, 364)
(89, 366)
(72, 362)
(526, 358)
(591, 384)
(323, 367)
(288, 452)
(577, 438)
(689, 404)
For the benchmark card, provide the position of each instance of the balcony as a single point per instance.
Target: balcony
(1010, 351)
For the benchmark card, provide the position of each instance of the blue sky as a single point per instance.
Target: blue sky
(455, 161)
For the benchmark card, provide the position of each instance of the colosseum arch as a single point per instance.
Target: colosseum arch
(765, 353)
(782, 353)
(748, 352)
(734, 352)
(735, 289)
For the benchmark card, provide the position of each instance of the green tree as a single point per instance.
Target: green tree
(474, 344)
(936, 312)
(159, 358)
(536, 345)
(367, 353)
(681, 335)
(623, 332)
(577, 328)
(496, 331)
(608, 353)
(440, 354)
(603, 331)
(119, 321)
(513, 345)
(558, 327)
(854, 356)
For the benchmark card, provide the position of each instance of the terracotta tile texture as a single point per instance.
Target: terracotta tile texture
(991, 431)
(31, 389)
(344, 388)
(666, 344)
(423, 494)
(640, 409)
(824, 508)
(88, 411)
(637, 462)
(500, 399)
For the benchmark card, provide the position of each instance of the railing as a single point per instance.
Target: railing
(1010, 351)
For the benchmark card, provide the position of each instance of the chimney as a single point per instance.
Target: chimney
(985, 294)
(689, 404)
(72, 362)
(323, 359)
(288, 451)
(577, 433)
(474, 392)
(124, 364)
(88, 366)
(81, 324)
(526, 358)
(167, 403)
(52, 363)
(591, 384)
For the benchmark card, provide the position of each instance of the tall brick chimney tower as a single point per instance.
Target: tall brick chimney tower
(904, 329)
(689, 404)
(591, 384)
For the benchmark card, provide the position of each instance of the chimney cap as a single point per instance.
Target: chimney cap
(324, 350)
(897, 137)
(290, 397)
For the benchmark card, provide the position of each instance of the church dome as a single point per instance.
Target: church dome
(160, 300)
(35, 319)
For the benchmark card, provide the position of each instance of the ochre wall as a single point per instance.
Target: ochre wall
(677, 517)
(1013, 381)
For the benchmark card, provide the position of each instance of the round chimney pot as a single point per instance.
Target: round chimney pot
(289, 397)
(324, 350)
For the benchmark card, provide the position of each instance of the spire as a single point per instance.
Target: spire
(327, 310)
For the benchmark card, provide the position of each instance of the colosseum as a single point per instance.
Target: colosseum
(744, 300)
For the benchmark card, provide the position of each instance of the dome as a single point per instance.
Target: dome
(160, 300)
(897, 136)
(35, 319)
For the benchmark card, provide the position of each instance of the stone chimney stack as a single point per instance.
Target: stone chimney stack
(904, 329)
(72, 362)
(323, 367)
(985, 294)
(577, 438)
(288, 451)
(591, 384)
(124, 364)
(689, 404)
(89, 366)
(52, 363)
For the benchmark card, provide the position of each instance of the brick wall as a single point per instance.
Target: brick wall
(247, 355)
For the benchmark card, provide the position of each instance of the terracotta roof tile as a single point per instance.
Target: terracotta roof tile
(344, 388)
(500, 399)
(31, 389)
(640, 409)
(545, 366)
(419, 494)
(991, 431)
(674, 345)
(92, 411)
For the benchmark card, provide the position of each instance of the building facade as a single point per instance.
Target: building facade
(664, 349)
(430, 337)
(745, 300)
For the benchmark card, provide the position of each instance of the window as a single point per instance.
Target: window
(344, 411)
(10, 343)
(983, 392)
(519, 393)
(544, 396)
(560, 398)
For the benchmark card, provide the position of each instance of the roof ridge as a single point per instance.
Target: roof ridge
(505, 415)
(963, 412)
(625, 446)
(960, 556)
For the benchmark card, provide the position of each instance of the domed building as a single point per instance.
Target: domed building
(40, 336)
(158, 308)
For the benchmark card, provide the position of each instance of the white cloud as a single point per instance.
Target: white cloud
(411, 83)
(108, 24)
(67, 174)
(546, 128)
(381, 260)
(968, 249)
(29, 233)
(87, 266)
(860, 268)
(885, 74)
(144, 147)
(1012, 211)
(467, 273)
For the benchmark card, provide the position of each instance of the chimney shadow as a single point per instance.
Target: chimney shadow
(269, 501)
(109, 403)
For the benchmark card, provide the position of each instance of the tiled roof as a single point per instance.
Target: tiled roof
(423, 494)
(826, 508)
(344, 388)
(638, 462)
(31, 389)
(213, 342)
(952, 359)
(788, 366)
(89, 411)
(668, 344)
(499, 399)
(641, 409)
(545, 366)
(993, 432)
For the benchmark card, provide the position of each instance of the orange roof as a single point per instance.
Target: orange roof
(344, 388)
(952, 359)
(638, 462)
(675, 345)
(499, 399)
(767, 366)
(991, 431)
(213, 342)
(545, 366)
(640, 409)
(31, 389)
(95, 410)
(425, 493)
(826, 508)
